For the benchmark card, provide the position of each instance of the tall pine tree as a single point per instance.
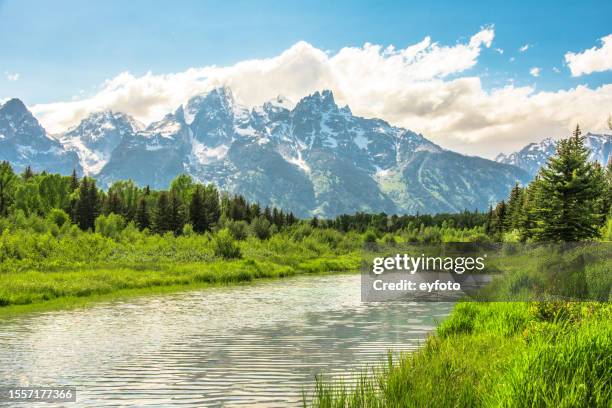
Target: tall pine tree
(161, 218)
(568, 194)
(197, 213)
(142, 214)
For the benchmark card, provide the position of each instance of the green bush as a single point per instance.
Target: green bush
(110, 226)
(224, 245)
(260, 228)
(58, 217)
(238, 229)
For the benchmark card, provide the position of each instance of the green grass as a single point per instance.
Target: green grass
(495, 355)
(35, 290)
(506, 354)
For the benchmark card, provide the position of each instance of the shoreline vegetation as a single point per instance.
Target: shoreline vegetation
(551, 352)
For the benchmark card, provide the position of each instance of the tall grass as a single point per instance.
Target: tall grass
(492, 355)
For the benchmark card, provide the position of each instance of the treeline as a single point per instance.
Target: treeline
(361, 222)
(187, 206)
(569, 200)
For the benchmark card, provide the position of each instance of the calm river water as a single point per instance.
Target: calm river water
(256, 345)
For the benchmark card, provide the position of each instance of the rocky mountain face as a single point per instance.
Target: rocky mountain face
(315, 158)
(533, 156)
(24, 142)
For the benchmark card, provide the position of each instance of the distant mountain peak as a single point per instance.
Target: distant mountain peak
(14, 107)
(318, 101)
(534, 155)
(24, 142)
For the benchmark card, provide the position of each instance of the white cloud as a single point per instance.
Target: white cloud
(500, 51)
(12, 76)
(556, 70)
(591, 60)
(524, 47)
(535, 71)
(424, 87)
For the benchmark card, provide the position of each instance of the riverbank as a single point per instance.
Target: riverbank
(33, 290)
(495, 354)
(514, 354)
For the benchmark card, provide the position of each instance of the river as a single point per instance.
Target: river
(250, 345)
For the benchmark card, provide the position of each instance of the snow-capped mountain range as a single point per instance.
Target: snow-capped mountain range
(533, 156)
(314, 158)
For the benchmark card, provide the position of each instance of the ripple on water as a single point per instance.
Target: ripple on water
(260, 344)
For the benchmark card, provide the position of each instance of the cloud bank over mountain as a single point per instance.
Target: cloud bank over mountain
(426, 86)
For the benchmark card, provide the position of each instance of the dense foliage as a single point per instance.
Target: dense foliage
(186, 202)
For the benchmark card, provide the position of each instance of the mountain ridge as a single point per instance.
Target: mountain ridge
(534, 155)
(316, 158)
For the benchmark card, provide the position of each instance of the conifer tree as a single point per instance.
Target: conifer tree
(74, 180)
(499, 218)
(212, 208)
(28, 173)
(197, 213)
(176, 216)
(161, 219)
(489, 222)
(514, 208)
(7, 184)
(113, 203)
(568, 199)
(142, 214)
(87, 205)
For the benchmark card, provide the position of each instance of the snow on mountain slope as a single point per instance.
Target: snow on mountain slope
(312, 157)
(95, 138)
(533, 156)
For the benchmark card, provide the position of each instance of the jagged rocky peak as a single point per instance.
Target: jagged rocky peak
(217, 104)
(14, 107)
(317, 102)
(99, 125)
(534, 155)
(279, 103)
(16, 121)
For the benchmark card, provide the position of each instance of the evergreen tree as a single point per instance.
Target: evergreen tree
(607, 198)
(489, 222)
(314, 222)
(569, 194)
(161, 218)
(74, 180)
(212, 208)
(113, 203)
(197, 213)
(176, 219)
(27, 173)
(8, 180)
(514, 208)
(499, 218)
(142, 214)
(87, 205)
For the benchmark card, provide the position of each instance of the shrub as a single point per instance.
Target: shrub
(369, 237)
(224, 245)
(260, 228)
(58, 217)
(238, 229)
(188, 230)
(110, 226)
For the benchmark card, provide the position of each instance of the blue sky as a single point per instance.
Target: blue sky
(60, 47)
(62, 50)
